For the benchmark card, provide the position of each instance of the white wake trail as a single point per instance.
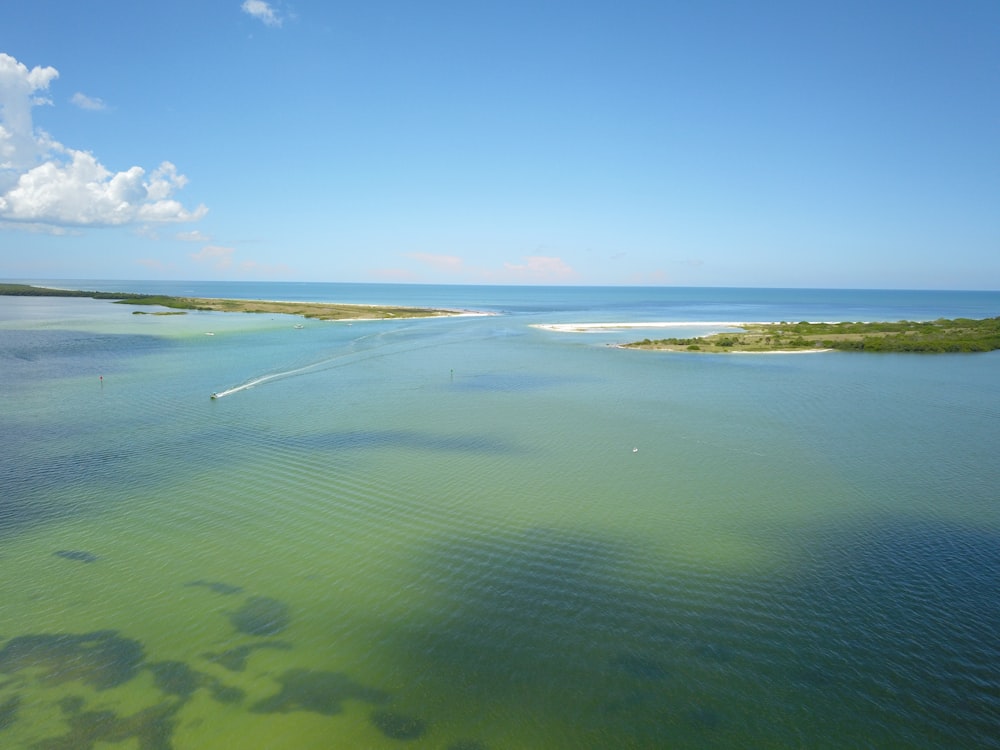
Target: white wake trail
(376, 347)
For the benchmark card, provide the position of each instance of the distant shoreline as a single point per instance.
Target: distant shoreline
(926, 337)
(593, 327)
(312, 310)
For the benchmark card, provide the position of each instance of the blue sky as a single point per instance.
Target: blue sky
(848, 144)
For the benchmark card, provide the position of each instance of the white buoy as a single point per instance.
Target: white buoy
(635, 450)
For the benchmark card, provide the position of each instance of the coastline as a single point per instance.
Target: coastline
(684, 350)
(934, 336)
(312, 310)
(941, 335)
(594, 327)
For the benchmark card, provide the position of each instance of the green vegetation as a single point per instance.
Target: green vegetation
(934, 336)
(26, 290)
(318, 310)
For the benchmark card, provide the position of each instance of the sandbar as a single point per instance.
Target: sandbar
(316, 310)
(598, 327)
(929, 336)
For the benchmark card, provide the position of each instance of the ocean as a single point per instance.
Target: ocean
(470, 532)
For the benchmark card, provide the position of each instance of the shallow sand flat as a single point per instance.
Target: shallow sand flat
(587, 327)
(681, 350)
(785, 351)
(313, 310)
(449, 311)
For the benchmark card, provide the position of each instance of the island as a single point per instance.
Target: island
(179, 305)
(934, 336)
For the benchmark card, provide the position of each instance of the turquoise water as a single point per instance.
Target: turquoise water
(439, 533)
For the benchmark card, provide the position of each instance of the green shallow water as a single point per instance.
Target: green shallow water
(447, 523)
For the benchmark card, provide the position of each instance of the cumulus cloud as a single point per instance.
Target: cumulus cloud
(88, 102)
(45, 183)
(262, 11)
(18, 145)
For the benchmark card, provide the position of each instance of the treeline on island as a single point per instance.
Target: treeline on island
(317, 310)
(26, 290)
(935, 336)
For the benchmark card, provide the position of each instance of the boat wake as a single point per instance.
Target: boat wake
(274, 376)
(371, 346)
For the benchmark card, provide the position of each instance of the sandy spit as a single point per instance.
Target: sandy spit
(588, 327)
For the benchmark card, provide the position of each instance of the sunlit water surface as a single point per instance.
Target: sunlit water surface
(474, 533)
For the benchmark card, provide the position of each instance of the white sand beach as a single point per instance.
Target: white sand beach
(596, 327)
(788, 351)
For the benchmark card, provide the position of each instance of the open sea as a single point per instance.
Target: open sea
(470, 533)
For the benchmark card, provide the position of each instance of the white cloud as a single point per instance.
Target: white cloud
(18, 145)
(262, 11)
(88, 102)
(192, 236)
(43, 182)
